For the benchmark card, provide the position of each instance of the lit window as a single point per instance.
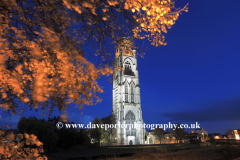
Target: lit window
(128, 69)
(130, 118)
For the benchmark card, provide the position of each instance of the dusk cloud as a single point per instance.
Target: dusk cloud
(217, 111)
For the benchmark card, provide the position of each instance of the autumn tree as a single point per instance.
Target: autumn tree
(42, 63)
(159, 133)
(44, 131)
(29, 146)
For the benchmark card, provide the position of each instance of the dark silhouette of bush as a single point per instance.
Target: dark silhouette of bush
(69, 137)
(51, 136)
(44, 131)
(212, 140)
(96, 134)
(195, 141)
(29, 146)
(83, 138)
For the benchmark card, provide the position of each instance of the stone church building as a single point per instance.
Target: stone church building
(126, 98)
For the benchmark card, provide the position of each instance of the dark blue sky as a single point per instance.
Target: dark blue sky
(194, 78)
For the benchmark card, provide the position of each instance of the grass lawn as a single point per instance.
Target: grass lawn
(89, 151)
(155, 152)
(206, 153)
(150, 148)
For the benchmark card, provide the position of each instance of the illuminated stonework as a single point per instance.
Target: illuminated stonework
(126, 97)
(126, 48)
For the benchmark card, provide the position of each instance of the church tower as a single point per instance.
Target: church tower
(126, 97)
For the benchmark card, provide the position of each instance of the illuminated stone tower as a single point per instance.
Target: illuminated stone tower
(126, 97)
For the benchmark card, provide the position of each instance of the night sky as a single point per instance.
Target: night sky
(194, 78)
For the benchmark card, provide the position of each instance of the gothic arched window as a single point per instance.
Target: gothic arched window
(128, 69)
(126, 93)
(132, 93)
(129, 121)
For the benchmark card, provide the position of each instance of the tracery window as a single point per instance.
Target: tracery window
(130, 119)
(128, 69)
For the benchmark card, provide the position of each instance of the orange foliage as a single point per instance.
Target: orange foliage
(41, 60)
(29, 147)
(44, 68)
(153, 16)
